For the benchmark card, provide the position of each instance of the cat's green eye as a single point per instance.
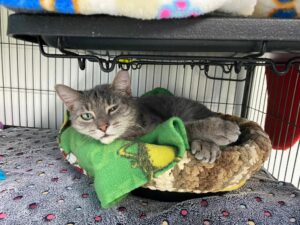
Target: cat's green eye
(112, 109)
(87, 116)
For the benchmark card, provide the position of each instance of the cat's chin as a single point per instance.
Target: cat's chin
(108, 139)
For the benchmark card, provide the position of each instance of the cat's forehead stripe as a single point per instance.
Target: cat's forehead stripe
(86, 107)
(95, 100)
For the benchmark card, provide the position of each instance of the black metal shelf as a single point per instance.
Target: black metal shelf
(206, 34)
(251, 36)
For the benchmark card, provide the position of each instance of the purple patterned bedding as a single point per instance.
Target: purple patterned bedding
(41, 188)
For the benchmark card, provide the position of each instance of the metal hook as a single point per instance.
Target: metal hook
(81, 63)
(291, 62)
(238, 67)
(227, 68)
(107, 66)
(124, 66)
(204, 62)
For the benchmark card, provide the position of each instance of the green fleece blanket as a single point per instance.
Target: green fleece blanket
(123, 166)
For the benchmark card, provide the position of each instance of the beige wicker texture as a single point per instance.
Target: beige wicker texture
(236, 165)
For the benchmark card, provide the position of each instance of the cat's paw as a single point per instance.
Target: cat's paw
(205, 151)
(226, 132)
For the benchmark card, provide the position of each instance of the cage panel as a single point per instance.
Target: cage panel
(27, 96)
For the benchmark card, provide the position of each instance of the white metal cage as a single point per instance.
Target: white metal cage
(27, 96)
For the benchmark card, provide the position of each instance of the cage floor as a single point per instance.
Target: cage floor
(41, 187)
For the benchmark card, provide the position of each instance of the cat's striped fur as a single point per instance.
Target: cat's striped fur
(108, 112)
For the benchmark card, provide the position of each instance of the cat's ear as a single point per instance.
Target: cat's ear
(121, 83)
(68, 95)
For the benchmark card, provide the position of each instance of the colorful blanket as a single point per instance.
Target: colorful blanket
(161, 9)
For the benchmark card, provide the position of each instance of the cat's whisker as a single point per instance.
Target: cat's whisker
(138, 126)
(115, 123)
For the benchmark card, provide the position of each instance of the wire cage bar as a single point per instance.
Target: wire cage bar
(228, 84)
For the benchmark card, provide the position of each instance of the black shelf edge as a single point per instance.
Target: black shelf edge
(194, 34)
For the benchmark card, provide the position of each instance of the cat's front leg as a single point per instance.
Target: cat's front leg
(207, 135)
(205, 151)
(213, 129)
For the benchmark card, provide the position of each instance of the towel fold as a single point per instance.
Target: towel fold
(123, 166)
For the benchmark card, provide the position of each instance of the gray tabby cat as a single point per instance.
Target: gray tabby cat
(108, 112)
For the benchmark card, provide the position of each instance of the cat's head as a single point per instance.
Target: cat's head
(105, 112)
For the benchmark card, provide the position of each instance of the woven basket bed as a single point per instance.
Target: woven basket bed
(238, 162)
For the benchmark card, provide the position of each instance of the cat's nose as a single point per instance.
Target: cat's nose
(103, 127)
